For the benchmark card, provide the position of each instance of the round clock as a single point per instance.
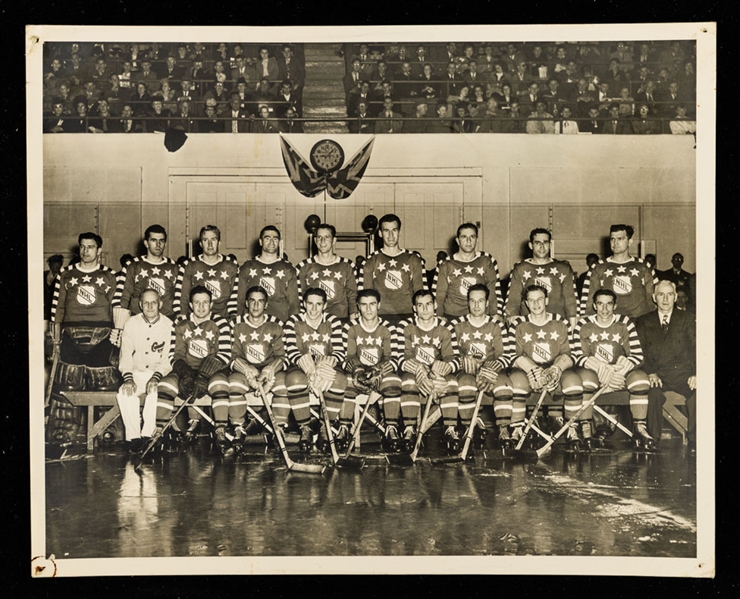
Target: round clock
(327, 156)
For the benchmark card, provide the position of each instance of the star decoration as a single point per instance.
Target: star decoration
(621, 269)
(635, 273)
(415, 340)
(456, 273)
(280, 274)
(144, 273)
(211, 272)
(465, 337)
(554, 271)
(593, 338)
(608, 272)
(477, 335)
(488, 338)
(406, 268)
(305, 337)
(267, 338)
(156, 270)
(326, 338)
(605, 336)
(254, 336)
(562, 278)
(392, 262)
(107, 288)
(187, 334)
(266, 271)
(252, 272)
(209, 335)
(436, 342)
(426, 339)
(86, 279)
(527, 275)
(314, 276)
(554, 336)
(468, 269)
(616, 337)
(168, 274)
(381, 267)
(540, 270)
(224, 275)
(326, 272)
(99, 281)
(338, 276)
(480, 271)
(527, 337)
(315, 336)
(242, 337)
(541, 334)
(198, 276)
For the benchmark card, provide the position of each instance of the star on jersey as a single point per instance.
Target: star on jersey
(426, 339)
(209, 335)
(406, 268)
(266, 271)
(168, 274)
(211, 272)
(381, 267)
(541, 334)
(621, 269)
(593, 338)
(305, 337)
(540, 271)
(477, 335)
(224, 275)
(616, 337)
(326, 338)
(456, 273)
(527, 275)
(188, 333)
(480, 271)
(554, 271)
(315, 276)
(393, 263)
(326, 272)
(73, 281)
(468, 269)
(143, 273)
(254, 336)
(199, 275)
(635, 273)
(605, 336)
(527, 337)
(562, 278)
(338, 276)
(488, 337)
(252, 272)
(156, 270)
(315, 336)
(554, 336)
(465, 337)
(100, 281)
(86, 279)
(242, 338)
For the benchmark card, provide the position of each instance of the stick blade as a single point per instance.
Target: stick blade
(353, 462)
(307, 468)
(453, 459)
(400, 459)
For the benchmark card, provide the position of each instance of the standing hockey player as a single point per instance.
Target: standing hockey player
(273, 274)
(152, 271)
(313, 344)
(607, 350)
(466, 267)
(393, 272)
(82, 318)
(429, 363)
(332, 273)
(372, 352)
(199, 355)
(214, 271)
(143, 361)
(484, 355)
(542, 352)
(627, 276)
(554, 275)
(257, 358)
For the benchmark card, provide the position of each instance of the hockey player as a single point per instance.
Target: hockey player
(627, 276)
(542, 352)
(199, 355)
(393, 272)
(82, 318)
(313, 343)
(607, 350)
(372, 351)
(274, 274)
(484, 355)
(214, 271)
(332, 273)
(143, 361)
(554, 275)
(152, 271)
(257, 358)
(429, 363)
(456, 274)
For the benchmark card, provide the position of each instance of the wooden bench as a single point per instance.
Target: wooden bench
(106, 399)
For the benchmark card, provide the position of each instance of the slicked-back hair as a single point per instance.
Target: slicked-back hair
(607, 292)
(467, 226)
(629, 229)
(421, 293)
(529, 289)
(479, 287)
(314, 291)
(389, 218)
(270, 228)
(207, 228)
(155, 229)
(368, 293)
(331, 228)
(90, 235)
(257, 289)
(538, 231)
(199, 289)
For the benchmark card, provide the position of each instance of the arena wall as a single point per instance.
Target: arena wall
(575, 185)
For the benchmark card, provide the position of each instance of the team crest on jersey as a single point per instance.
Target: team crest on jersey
(316, 350)
(605, 352)
(465, 284)
(541, 352)
(198, 348)
(477, 350)
(255, 353)
(369, 356)
(545, 282)
(157, 285)
(425, 355)
(393, 279)
(157, 347)
(86, 295)
(622, 285)
(268, 284)
(215, 288)
(328, 287)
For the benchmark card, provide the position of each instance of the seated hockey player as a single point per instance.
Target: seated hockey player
(313, 345)
(257, 363)
(372, 351)
(429, 364)
(607, 350)
(542, 351)
(484, 354)
(199, 354)
(143, 361)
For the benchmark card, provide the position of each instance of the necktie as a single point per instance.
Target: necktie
(664, 325)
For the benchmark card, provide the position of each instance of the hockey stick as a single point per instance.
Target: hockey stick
(350, 460)
(52, 372)
(409, 458)
(329, 430)
(542, 450)
(157, 437)
(290, 438)
(613, 420)
(292, 466)
(468, 437)
(532, 416)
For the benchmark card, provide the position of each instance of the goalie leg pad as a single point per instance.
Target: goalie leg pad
(64, 421)
(70, 377)
(105, 378)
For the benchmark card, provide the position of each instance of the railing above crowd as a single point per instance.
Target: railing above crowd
(601, 87)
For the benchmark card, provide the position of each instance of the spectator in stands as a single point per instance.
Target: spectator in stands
(646, 94)
(91, 94)
(362, 95)
(198, 75)
(245, 98)
(353, 79)
(515, 124)
(292, 69)
(242, 71)
(418, 124)
(126, 76)
(78, 123)
(626, 101)
(219, 72)
(531, 96)
(266, 65)
(506, 96)
(53, 76)
(361, 122)
(289, 124)
(419, 61)
(380, 73)
(54, 123)
(405, 84)
(645, 55)
(462, 123)
(443, 123)
(554, 97)
(127, 124)
(211, 124)
(669, 101)
(650, 261)
(594, 123)
(624, 55)
(643, 124)
(388, 121)
(286, 98)
(237, 119)
(471, 75)
(100, 74)
(166, 95)
(615, 77)
(537, 62)
(142, 98)
(158, 117)
(616, 124)
(492, 118)
(219, 94)
(171, 70)
(427, 85)
(183, 119)
(540, 121)
(681, 124)
(103, 121)
(676, 274)
(566, 126)
(264, 92)
(686, 79)
(514, 56)
(76, 70)
(604, 96)
(478, 101)
(65, 97)
(585, 97)
(262, 124)
(187, 90)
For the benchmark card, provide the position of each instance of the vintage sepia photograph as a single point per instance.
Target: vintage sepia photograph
(404, 300)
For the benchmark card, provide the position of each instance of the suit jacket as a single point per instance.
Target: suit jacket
(394, 124)
(673, 356)
(293, 71)
(358, 125)
(243, 121)
(622, 126)
(264, 126)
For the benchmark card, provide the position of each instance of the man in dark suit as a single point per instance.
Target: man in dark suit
(668, 339)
